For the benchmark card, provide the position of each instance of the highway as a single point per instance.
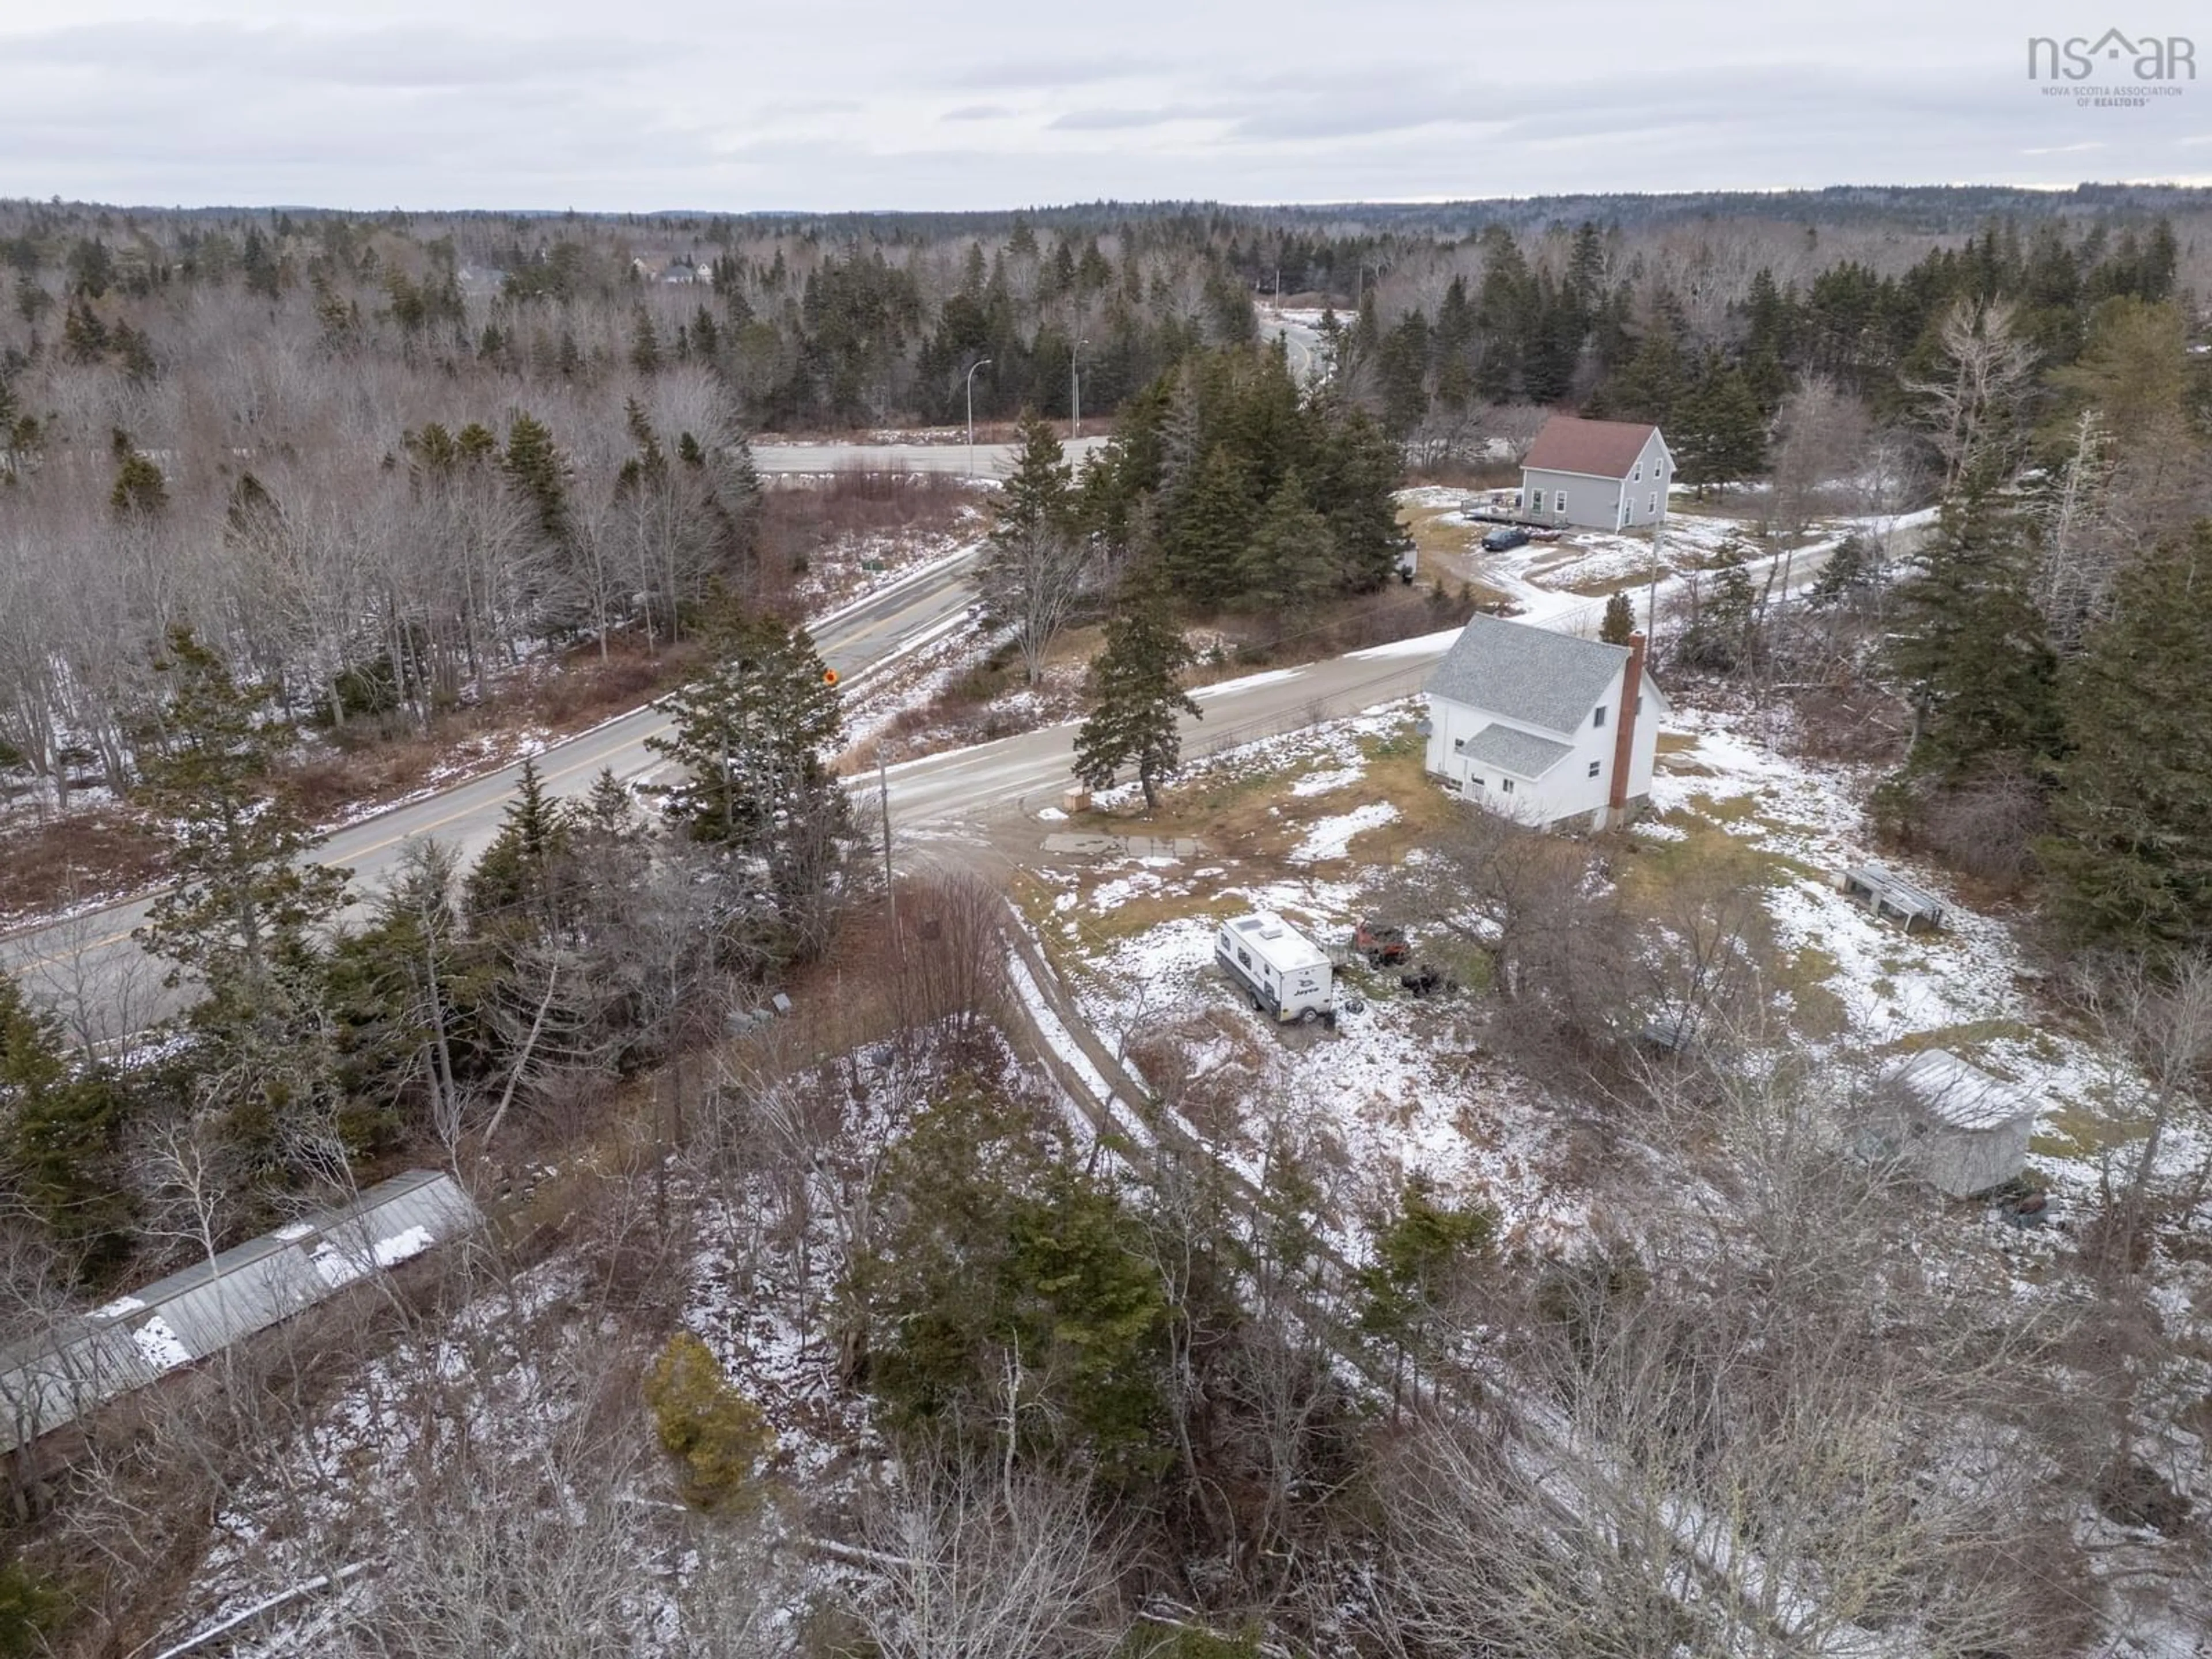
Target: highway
(939, 797)
(95, 951)
(990, 460)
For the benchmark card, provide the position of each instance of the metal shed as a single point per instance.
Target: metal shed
(1889, 895)
(49, 1380)
(1952, 1123)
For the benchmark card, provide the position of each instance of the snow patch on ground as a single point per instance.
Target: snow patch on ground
(1331, 838)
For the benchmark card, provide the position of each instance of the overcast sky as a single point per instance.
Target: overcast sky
(845, 104)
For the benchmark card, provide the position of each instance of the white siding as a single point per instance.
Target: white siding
(1566, 792)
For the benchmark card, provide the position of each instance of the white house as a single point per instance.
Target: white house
(1601, 475)
(1545, 727)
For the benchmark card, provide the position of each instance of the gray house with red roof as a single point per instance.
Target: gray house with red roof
(1601, 475)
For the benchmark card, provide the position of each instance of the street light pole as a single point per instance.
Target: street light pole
(979, 363)
(1075, 385)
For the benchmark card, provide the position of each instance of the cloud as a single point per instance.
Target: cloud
(383, 58)
(1115, 120)
(1045, 74)
(978, 112)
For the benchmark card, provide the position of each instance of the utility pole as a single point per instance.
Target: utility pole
(884, 805)
(981, 362)
(1075, 385)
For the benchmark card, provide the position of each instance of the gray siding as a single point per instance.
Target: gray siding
(1593, 503)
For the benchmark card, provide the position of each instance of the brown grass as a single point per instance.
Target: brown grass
(804, 515)
(104, 853)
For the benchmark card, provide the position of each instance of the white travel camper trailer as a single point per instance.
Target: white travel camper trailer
(1285, 972)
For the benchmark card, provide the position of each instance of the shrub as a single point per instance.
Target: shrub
(717, 1436)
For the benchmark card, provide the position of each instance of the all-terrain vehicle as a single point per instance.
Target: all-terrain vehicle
(1383, 947)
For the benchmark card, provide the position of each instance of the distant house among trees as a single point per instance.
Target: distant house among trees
(1544, 727)
(1601, 475)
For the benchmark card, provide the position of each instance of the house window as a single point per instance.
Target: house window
(1559, 501)
(1635, 475)
(1505, 785)
(1593, 769)
(1652, 506)
(1598, 719)
(1475, 783)
(1459, 745)
(1535, 500)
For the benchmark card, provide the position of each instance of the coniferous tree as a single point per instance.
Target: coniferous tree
(1619, 620)
(1970, 647)
(2130, 857)
(754, 736)
(249, 897)
(1720, 431)
(1136, 695)
(1033, 563)
(1208, 526)
(518, 871)
(58, 1132)
(1291, 563)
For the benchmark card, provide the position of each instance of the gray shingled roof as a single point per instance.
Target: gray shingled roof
(1524, 673)
(1521, 753)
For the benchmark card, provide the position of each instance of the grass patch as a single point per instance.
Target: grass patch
(1963, 1038)
(1805, 973)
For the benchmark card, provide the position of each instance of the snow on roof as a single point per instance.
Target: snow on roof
(1521, 753)
(49, 1380)
(1955, 1092)
(1604, 449)
(1276, 942)
(1534, 675)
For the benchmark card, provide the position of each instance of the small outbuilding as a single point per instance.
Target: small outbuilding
(1953, 1124)
(1891, 897)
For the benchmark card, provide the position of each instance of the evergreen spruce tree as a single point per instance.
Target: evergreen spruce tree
(249, 896)
(535, 468)
(1207, 528)
(58, 1133)
(1970, 647)
(1136, 695)
(1034, 551)
(754, 735)
(644, 345)
(518, 871)
(2130, 857)
(1620, 620)
(1289, 565)
(1720, 429)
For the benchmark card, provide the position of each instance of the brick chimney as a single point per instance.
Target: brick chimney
(1624, 733)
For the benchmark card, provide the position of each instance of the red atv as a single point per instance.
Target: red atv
(1383, 947)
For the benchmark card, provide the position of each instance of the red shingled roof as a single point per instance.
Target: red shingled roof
(1605, 449)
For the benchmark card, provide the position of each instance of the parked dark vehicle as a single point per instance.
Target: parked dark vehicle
(1504, 537)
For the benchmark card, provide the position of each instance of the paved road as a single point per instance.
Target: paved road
(990, 460)
(937, 798)
(93, 959)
